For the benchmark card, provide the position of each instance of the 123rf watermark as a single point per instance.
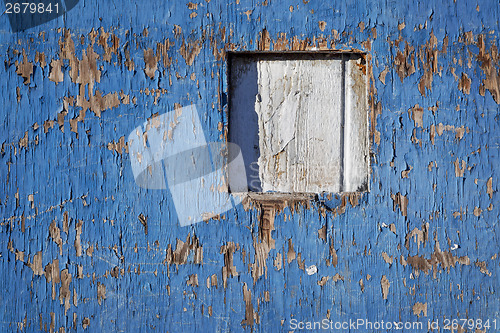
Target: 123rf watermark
(412, 326)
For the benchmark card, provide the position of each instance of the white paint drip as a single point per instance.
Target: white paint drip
(311, 270)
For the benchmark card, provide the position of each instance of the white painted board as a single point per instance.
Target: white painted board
(301, 122)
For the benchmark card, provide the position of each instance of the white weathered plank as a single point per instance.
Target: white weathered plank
(300, 107)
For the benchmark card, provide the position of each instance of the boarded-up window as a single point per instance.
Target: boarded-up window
(301, 121)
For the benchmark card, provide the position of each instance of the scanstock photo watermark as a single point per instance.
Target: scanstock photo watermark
(365, 325)
(354, 324)
(26, 14)
(170, 152)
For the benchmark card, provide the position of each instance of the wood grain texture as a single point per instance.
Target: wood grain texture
(84, 249)
(301, 120)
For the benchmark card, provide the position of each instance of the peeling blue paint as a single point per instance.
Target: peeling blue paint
(83, 177)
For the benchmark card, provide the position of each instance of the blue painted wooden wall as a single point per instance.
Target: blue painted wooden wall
(83, 248)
